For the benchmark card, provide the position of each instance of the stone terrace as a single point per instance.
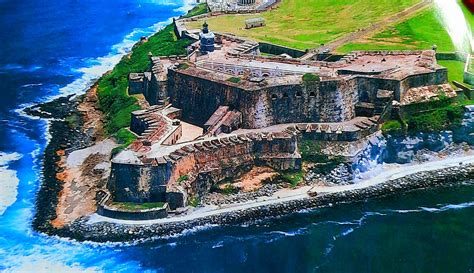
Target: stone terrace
(344, 131)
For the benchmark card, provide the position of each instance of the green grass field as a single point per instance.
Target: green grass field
(114, 100)
(136, 206)
(455, 70)
(306, 24)
(419, 32)
(197, 10)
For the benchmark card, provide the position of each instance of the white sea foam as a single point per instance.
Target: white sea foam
(218, 244)
(48, 266)
(187, 5)
(31, 85)
(98, 66)
(8, 181)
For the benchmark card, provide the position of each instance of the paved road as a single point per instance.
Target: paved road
(372, 28)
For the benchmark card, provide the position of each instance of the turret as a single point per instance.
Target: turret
(206, 38)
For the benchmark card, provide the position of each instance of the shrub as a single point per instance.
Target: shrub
(436, 120)
(193, 201)
(183, 66)
(125, 138)
(294, 178)
(233, 79)
(229, 189)
(392, 127)
(183, 178)
(310, 77)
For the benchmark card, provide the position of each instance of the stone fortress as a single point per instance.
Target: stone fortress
(224, 108)
(233, 6)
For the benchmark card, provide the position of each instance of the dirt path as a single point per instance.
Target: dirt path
(353, 36)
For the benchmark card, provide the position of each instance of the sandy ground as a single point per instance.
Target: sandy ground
(388, 172)
(253, 180)
(85, 172)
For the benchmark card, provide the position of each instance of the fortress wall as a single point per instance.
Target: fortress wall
(138, 183)
(338, 137)
(440, 76)
(199, 98)
(148, 214)
(368, 88)
(325, 101)
(138, 125)
(207, 164)
(210, 162)
(278, 50)
(174, 136)
(156, 91)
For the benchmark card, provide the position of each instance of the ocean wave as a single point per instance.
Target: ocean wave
(31, 85)
(8, 181)
(96, 67)
(299, 231)
(441, 208)
(218, 244)
(19, 68)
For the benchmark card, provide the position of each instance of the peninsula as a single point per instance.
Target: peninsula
(200, 127)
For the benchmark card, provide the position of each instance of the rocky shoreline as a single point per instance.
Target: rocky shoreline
(110, 232)
(65, 123)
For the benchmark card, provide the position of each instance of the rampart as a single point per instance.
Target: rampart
(262, 106)
(204, 163)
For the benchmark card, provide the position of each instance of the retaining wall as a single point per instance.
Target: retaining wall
(148, 214)
(278, 50)
(218, 159)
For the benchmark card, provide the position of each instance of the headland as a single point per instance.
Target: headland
(230, 130)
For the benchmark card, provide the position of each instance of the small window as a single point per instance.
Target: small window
(312, 94)
(285, 96)
(298, 94)
(274, 97)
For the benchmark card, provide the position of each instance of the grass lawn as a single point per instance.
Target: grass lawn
(197, 10)
(114, 100)
(306, 24)
(123, 137)
(455, 70)
(137, 206)
(419, 32)
(471, 65)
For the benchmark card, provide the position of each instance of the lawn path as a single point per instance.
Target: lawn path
(353, 36)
